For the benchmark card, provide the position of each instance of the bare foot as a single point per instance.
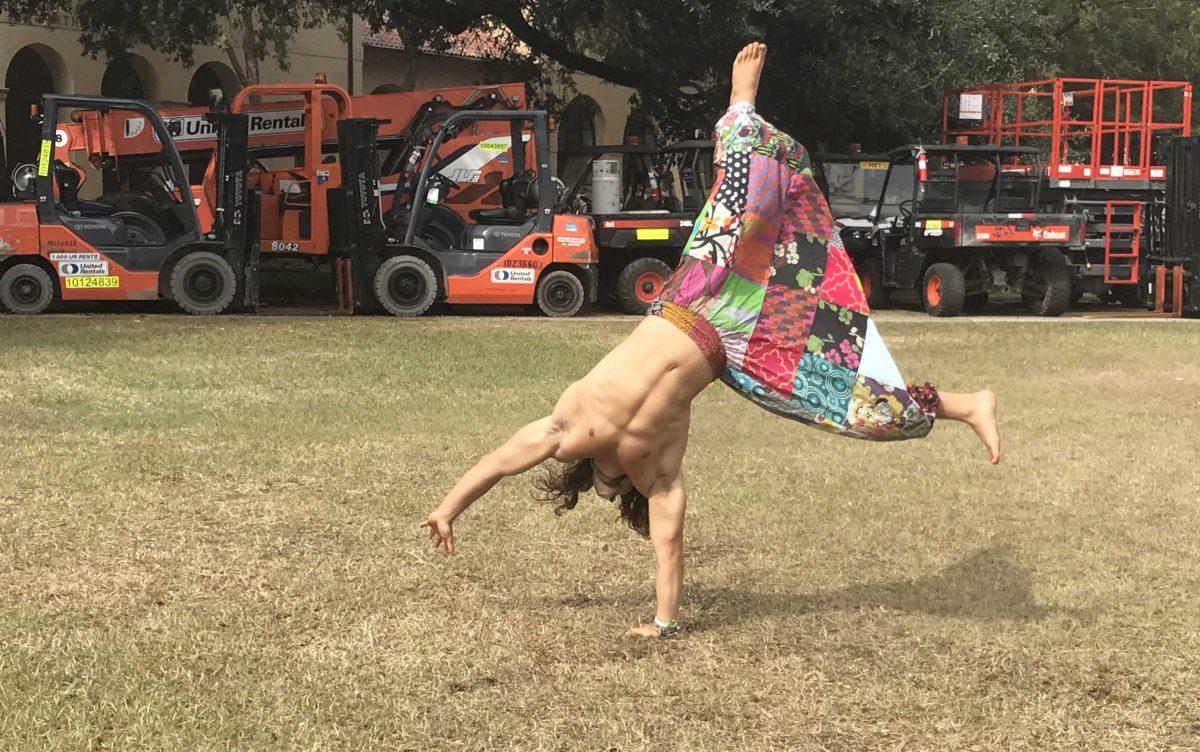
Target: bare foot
(981, 416)
(746, 69)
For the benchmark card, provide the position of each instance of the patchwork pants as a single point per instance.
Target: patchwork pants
(766, 290)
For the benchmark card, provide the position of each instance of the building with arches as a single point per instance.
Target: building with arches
(36, 60)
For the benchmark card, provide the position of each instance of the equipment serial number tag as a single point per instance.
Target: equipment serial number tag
(44, 157)
(91, 282)
(873, 165)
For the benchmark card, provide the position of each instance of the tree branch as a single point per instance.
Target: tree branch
(510, 15)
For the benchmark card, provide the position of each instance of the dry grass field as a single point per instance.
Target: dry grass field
(208, 541)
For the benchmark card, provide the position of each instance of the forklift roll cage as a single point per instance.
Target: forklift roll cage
(101, 142)
(516, 120)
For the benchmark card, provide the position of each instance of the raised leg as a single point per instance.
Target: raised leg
(747, 67)
(978, 410)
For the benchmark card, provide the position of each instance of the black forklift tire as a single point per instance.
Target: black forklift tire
(406, 286)
(203, 283)
(559, 294)
(878, 297)
(943, 290)
(1052, 297)
(26, 289)
(640, 282)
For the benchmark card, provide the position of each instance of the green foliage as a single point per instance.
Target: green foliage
(871, 71)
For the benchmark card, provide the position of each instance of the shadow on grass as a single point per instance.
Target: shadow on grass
(986, 585)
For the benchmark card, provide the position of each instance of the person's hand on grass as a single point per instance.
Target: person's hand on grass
(440, 531)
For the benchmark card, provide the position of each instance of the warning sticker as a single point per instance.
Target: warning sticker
(91, 282)
(514, 276)
(83, 268)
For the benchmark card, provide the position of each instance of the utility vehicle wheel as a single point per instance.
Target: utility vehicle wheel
(26, 288)
(559, 294)
(1076, 294)
(406, 286)
(876, 294)
(640, 282)
(1047, 289)
(944, 290)
(203, 283)
(975, 303)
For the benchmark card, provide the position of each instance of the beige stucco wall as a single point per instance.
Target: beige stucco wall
(313, 51)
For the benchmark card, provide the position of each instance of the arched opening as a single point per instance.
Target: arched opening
(208, 77)
(129, 77)
(33, 71)
(576, 131)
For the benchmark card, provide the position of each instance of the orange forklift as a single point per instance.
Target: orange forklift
(327, 204)
(524, 252)
(140, 238)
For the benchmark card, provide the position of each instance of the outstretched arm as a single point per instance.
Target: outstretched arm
(526, 448)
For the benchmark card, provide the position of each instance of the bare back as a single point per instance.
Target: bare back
(631, 412)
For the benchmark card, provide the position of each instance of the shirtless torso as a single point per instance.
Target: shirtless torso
(630, 413)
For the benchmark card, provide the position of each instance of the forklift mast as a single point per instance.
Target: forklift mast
(237, 207)
(357, 253)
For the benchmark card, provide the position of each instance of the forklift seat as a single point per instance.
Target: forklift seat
(517, 193)
(68, 181)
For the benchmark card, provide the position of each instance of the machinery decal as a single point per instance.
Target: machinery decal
(1011, 234)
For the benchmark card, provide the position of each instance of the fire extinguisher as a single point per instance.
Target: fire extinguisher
(922, 166)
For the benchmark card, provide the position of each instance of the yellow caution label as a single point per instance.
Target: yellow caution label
(44, 158)
(493, 145)
(873, 165)
(92, 282)
(933, 224)
(653, 233)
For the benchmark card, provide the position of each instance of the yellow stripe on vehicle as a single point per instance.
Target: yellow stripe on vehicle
(653, 233)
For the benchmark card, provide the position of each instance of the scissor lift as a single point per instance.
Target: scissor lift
(1105, 144)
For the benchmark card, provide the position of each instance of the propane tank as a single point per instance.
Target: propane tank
(606, 186)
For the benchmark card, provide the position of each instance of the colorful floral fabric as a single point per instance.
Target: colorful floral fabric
(767, 291)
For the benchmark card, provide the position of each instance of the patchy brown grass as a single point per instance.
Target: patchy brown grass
(208, 541)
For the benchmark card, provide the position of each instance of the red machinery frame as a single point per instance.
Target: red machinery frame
(1089, 128)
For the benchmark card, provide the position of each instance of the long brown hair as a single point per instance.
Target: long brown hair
(563, 483)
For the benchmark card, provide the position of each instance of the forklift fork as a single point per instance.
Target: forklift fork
(237, 209)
